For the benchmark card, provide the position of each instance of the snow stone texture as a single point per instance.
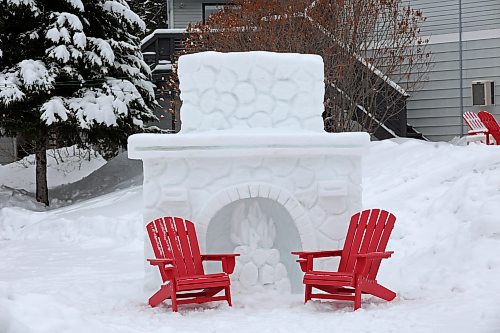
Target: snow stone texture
(251, 90)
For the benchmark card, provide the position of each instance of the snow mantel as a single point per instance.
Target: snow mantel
(253, 142)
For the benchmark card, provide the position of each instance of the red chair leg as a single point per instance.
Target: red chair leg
(380, 291)
(174, 300)
(164, 293)
(228, 295)
(307, 293)
(174, 303)
(357, 298)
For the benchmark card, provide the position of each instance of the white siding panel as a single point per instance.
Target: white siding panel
(443, 16)
(187, 11)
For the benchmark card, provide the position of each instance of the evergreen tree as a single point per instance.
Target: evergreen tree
(72, 70)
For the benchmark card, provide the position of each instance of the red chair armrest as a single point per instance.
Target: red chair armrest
(228, 261)
(475, 132)
(306, 259)
(161, 262)
(217, 257)
(376, 255)
(318, 254)
(366, 258)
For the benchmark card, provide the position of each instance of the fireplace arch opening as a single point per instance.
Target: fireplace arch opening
(264, 233)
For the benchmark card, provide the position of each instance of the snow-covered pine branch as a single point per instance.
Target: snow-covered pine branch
(73, 70)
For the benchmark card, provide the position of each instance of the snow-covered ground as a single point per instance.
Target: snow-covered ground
(78, 267)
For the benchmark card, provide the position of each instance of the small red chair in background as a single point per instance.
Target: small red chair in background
(178, 258)
(491, 124)
(477, 128)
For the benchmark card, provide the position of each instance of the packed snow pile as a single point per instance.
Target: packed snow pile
(445, 268)
(251, 89)
(259, 262)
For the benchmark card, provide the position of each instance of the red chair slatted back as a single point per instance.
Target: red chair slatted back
(489, 121)
(369, 231)
(175, 238)
(473, 121)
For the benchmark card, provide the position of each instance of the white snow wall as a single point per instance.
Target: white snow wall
(251, 89)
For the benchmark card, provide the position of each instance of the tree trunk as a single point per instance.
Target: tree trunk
(42, 191)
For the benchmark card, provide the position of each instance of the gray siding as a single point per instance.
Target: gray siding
(188, 11)
(435, 108)
(443, 16)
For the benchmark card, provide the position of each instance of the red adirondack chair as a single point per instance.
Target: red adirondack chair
(364, 249)
(476, 126)
(491, 124)
(178, 258)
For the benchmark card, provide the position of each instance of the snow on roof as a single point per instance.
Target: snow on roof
(381, 75)
(163, 67)
(161, 31)
(366, 112)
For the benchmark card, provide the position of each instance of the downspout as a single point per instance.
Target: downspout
(461, 64)
(167, 15)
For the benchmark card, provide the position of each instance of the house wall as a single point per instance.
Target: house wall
(442, 16)
(188, 11)
(435, 109)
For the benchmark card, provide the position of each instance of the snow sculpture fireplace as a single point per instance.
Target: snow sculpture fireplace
(252, 166)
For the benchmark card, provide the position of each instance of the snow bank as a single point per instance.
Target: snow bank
(251, 89)
(102, 203)
(112, 217)
(445, 267)
(446, 199)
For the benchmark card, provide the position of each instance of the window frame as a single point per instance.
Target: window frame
(204, 5)
(484, 86)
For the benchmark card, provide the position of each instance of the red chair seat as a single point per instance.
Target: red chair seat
(208, 278)
(194, 282)
(316, 277)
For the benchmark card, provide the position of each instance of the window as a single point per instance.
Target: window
(483, 92)
(210, 8)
